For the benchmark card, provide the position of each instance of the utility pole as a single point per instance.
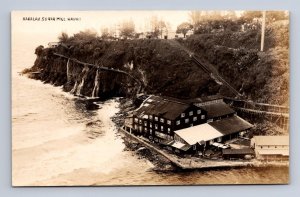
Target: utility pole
(263, 27)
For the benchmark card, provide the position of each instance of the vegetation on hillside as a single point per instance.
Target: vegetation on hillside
(228, 42)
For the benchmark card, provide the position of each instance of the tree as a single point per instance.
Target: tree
(195, 17)
(85, 36)
(39, 50)
(272, 16)
(105, 33)
(63, 37)
(183, 28)
(127, 29)
(158, 26)
(248, 16)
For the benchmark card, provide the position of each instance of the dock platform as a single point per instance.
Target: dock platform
(193, 162)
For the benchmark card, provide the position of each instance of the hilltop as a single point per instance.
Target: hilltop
(166, 69)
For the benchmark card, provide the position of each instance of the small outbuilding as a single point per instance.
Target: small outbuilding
(237, 153)
(271, 148)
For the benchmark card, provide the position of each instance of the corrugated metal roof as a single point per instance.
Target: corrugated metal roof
(245, 151)
(195, 134)
(271, 140)
(212, 130)
(159, 106)
(217, 109)
(230, 125)
(180, 146)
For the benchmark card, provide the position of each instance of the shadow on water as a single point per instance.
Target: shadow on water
(87, 108)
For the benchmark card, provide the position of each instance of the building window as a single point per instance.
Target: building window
(169, 122)
(140, 121)
(156, 118)
(145, 129)
(202, 117)
(150, 117)
(156, 126)
(162, 120)
(151, 131)
(169, 130)
(140, 128)
(194, 119)
(178, 122)
(136, 120)
(145, 123)
(186, 120)
(162, 128)
(182, 115)
(150, 125)
(135, 127)
(191, 113)
(199, 111)
(194, 147)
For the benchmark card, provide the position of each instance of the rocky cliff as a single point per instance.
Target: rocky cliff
(163, 68)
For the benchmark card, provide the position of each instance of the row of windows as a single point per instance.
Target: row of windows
(272, 146)
(162, 120)
(156, 127)
(156, 118)
(191, 113)
(187, 120)
(177, 122)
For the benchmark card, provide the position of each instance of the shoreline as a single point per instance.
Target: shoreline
(194, 163)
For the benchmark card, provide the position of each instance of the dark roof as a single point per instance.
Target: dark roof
(159, 106)
(245, 151)
(231, 125)
(218, 109)
(205, 99)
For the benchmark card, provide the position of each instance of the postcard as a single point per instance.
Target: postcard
(114, 98)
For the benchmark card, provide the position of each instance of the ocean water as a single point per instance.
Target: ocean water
(57, 141)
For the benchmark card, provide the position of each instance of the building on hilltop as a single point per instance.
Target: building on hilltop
(53, 44)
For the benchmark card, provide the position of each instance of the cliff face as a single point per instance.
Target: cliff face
(166, 69)
(162, 69)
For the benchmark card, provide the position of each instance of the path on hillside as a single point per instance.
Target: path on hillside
(210, 69)
(246, 106)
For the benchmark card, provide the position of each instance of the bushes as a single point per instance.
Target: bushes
(260, 76)
(167, 69)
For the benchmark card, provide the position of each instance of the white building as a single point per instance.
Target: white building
(271, 148)
(53, 44)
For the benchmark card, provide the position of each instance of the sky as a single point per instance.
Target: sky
(29, 30)
(94, 20)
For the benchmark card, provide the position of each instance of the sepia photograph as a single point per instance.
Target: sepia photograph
(150, 97)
